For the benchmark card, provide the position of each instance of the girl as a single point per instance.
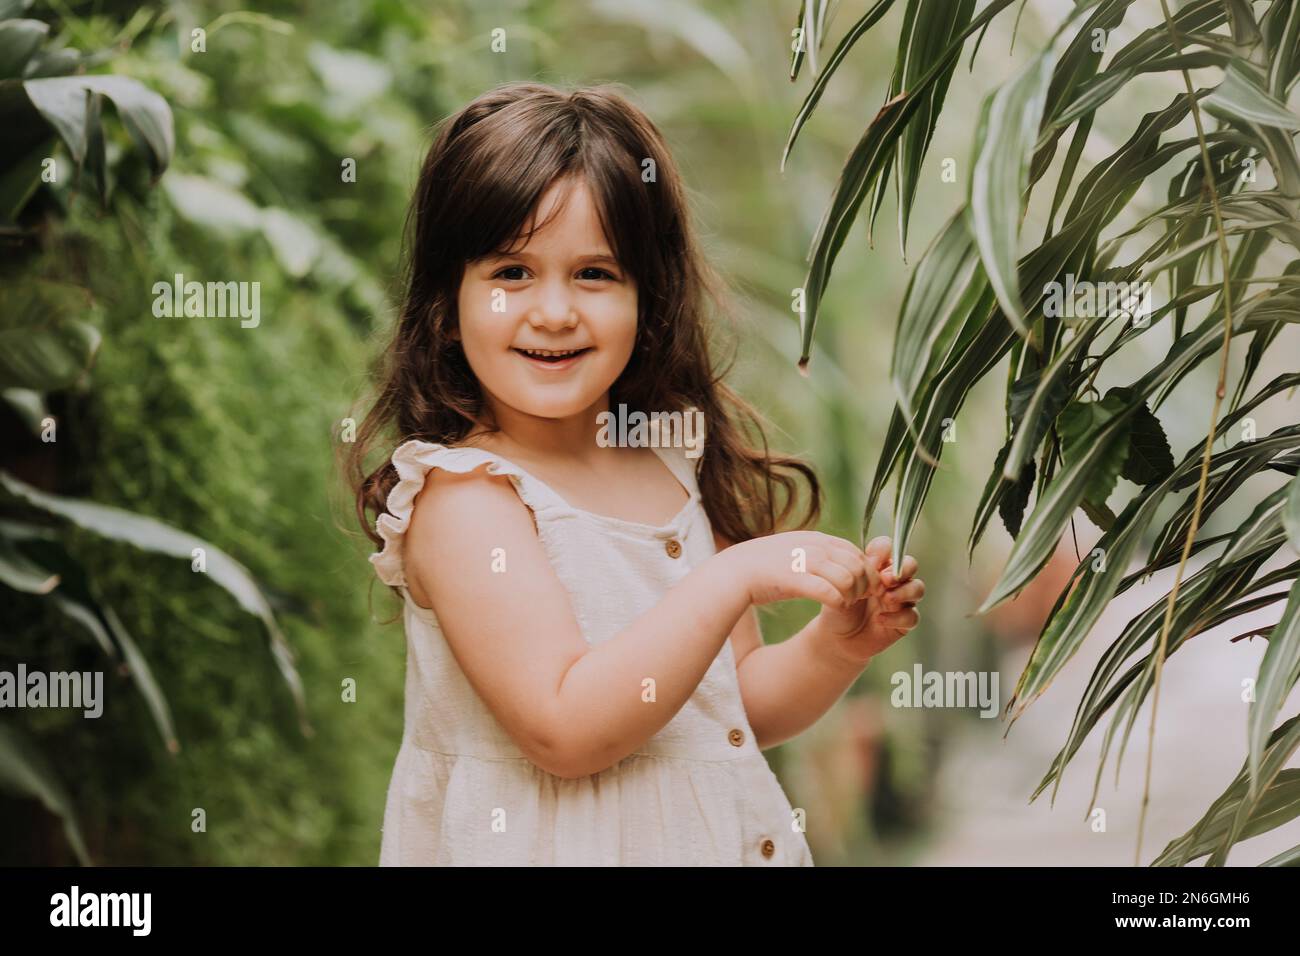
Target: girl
(586, 682)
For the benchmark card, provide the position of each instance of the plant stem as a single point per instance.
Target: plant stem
(1209, 435)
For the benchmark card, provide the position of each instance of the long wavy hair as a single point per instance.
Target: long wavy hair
(482, 179)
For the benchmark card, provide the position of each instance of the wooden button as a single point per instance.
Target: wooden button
(767, 848)
(673, 547)
(737, 737)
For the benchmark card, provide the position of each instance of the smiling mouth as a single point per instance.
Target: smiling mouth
(552, 356)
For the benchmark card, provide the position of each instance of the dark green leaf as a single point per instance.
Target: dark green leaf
(62, 102)
(1079, 422)
(1011, 508)
(1149, 458)
(19, 39)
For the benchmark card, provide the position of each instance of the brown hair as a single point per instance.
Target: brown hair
(487, 169)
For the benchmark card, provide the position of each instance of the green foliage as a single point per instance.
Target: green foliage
(166, 423)
(1072, 447)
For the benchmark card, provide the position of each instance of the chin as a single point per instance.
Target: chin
(556, 409)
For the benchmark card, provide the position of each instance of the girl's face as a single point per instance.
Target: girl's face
(563, 291)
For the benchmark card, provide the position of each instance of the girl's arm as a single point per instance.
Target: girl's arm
(575, 710)
(787, 687)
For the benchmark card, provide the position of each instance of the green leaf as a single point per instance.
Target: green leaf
(22, 573)
(61, 100)
(1034, 403)
(152, 535)
(797, 53)
(928, 30)
(20, 180)
(1081, 420)
(1069, 624)
(1213, 832)
(1219, 488)
(296, 244)
(1283, 37)
(19, 39)
(990, 500)
(1278, 807)
(47, 359)
(1004, 144)
(982, 343)
(1278, 673)
(1289, 857)
(1196, 17)
(79, 613)
(1058, 501)
(26, 772)
(890, 453)
(862, 171)
(13, 8)
(1011, 507)
(1239, 100)
(856, 32)
(943, 290)
(145, 682)
(75, 600)
(30, 406)
(1242, 21)
(1149, 458)
(1225, 582)
(1291, 516)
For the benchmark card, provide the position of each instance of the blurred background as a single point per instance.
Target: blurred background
(230, 434)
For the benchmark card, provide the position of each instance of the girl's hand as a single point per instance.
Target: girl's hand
(804, 564)
(882, 616)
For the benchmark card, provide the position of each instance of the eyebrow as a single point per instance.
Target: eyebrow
(594, 256)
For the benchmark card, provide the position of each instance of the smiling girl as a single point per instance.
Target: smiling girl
(586, 680)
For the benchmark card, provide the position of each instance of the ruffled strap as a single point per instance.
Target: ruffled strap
(413, 459)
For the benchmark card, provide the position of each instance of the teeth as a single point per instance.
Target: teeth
(545, 352)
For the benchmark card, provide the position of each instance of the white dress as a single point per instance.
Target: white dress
(698, 793)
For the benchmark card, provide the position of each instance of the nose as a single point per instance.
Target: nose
(553, 308)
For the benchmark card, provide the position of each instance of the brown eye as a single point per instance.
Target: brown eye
(501, 273)
(599, 273)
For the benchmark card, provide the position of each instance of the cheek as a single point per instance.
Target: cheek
(618, 320)
(480, 324)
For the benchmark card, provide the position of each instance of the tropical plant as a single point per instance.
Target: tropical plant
(48, 343)
(1222, 234)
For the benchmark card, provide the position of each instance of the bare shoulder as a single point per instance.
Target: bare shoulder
(457, 512)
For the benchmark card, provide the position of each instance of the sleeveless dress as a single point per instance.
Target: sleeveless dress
(697, 793)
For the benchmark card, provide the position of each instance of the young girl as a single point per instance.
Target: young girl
(586, 682)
